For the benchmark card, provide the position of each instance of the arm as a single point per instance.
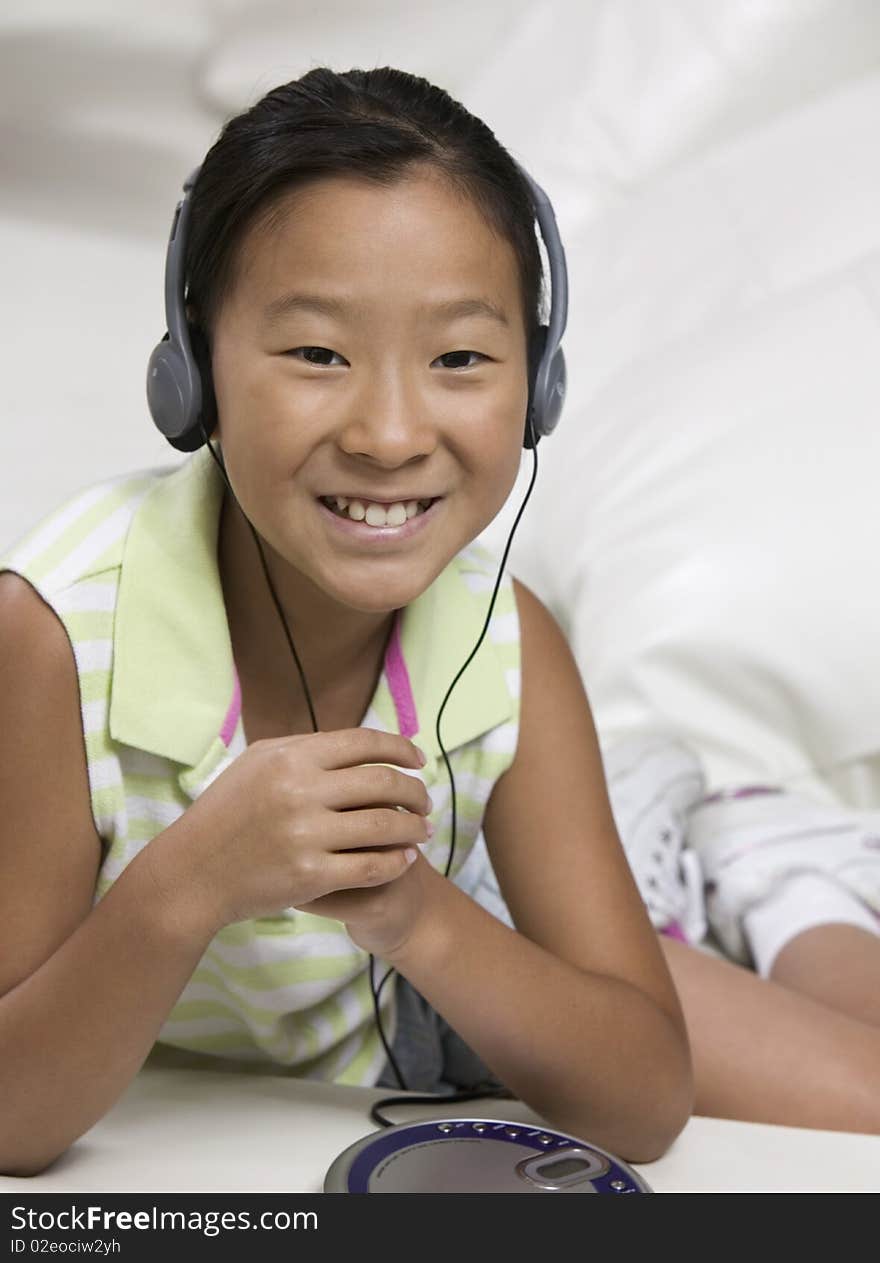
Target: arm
(83, 992)
(575, 1011)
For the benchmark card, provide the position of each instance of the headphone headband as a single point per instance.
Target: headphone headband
(179, 388)
(548, 390)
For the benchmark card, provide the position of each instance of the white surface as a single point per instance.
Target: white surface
(201, 1131)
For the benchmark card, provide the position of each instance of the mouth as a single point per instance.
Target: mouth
(375, 513)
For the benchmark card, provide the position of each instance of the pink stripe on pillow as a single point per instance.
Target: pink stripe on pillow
(674, 930)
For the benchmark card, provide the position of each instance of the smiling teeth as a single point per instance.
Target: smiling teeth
(377, 514)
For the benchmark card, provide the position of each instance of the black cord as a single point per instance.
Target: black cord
(480, 1093)
(302, 675)
(475, 1095)
(376, 992)
(490, 1090)
(480, 641)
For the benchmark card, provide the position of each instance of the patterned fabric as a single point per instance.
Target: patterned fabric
(130, 568)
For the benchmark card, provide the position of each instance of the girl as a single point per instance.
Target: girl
(220, 853)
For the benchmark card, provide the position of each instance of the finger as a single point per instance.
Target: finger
(349, 747)
(375, 785)
(377, 827)
(374, 868)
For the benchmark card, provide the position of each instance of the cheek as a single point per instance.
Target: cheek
(508, 420)
(240, 397)
(498, 459)
(506, 474)
(279, 418)
(259, 433)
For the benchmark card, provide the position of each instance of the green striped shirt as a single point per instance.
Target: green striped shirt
(130, 568)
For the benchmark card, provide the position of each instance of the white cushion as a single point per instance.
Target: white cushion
(706, 519)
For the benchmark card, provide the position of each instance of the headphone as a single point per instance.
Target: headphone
(180, 393)
(181, 399)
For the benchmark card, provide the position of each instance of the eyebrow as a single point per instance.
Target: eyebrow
(314, 304)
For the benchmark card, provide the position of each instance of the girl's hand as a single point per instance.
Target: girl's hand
(294, 819)
(381, 920)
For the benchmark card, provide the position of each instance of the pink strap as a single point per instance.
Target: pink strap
(399, 682)
(231, 721)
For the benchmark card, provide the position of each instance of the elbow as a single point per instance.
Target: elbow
(661, 1111)
(645, 1133)
(639, 1122)
(26, 1165)
(650, 1142)
(639, 1133)
(662, 1105)
(24, 1170)
(662, 1098)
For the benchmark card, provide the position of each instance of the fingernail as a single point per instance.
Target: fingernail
(423, 758)
(411, 855)
(429, 828)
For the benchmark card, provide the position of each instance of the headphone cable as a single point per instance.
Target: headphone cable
(466, 1096)
(490, 1089)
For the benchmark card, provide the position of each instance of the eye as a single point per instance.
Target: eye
(321, 356)
(461, 357)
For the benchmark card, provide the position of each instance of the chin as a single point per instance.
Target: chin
(382, 602)
(380, 595)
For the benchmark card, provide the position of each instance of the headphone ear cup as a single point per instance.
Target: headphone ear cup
(169, 392)
(537, 345)
(554, 387)
(180, 391)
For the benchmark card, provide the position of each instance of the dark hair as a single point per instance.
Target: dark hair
(374, 124)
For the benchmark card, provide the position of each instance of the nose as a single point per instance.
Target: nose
(387, 421)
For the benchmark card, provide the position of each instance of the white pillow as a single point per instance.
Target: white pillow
(706, 520)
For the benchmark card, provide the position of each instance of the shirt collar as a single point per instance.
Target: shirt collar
(173, 673)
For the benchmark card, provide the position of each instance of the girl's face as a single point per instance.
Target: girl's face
(373, 348)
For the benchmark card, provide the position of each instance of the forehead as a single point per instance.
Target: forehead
(417, 235)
